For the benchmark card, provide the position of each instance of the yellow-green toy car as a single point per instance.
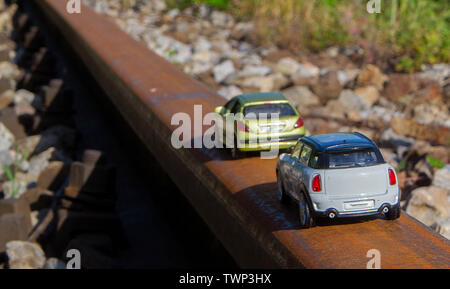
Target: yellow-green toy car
(259, 122)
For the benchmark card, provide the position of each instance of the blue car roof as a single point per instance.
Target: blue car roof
(335, 141)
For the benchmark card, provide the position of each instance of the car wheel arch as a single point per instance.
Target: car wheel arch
(303, 191)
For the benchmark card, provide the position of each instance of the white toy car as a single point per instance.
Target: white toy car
(338, 175)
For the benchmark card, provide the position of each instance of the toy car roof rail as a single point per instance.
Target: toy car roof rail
(363, 136)
(352, 146)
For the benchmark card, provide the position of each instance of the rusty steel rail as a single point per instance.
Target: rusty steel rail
(236, 198)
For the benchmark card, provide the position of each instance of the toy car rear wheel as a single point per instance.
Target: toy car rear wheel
(305, 216)
(394, 213)
(281, 194)
(235, 152)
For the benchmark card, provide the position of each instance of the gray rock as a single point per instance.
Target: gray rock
(6, 138)
(332, 52)
(438, 72)
(288, 66)
(6, 98)
(134, 28)
(188, 12)
(59, 136)
(202, 62)
(199, 67)
(372, 75)
(202, 44)
(173, 13)
(245, 47)
(172, 50)
(301, 96)
(351, 50)
(268, 83)
(39, 162)
(206, 56)
(308, 70)
(396, 140)
(254, 70)
(252, 59)
(25, 255)
(442, 177)
(24, 108)
(385, 103)
(9, 70)
(229, 92)
(442, 227)
(226, 49)
(342, 77)
(101, 7)
(14, 189)
(360, 99)
(158, 5)
(350, 100)
(347, 76)
(6, 158)
(390, 157)
(382, 112)
(182, 27)
(181, 53)
(150, 20)
(242, 30)
(223, 70)
(430, 113)
(327, 87)
(54, 263)
(368, 94)
(221, 19)
(429, 204)
(203, 11)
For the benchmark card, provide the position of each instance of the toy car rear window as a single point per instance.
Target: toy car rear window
(265, 110)
(353, 158)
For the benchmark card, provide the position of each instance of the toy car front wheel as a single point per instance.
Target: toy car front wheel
(393, 213)
(304, 213)
(281, 194)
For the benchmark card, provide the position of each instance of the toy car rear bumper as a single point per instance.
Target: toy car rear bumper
(356, 213)
(282, 142)
(323, 205)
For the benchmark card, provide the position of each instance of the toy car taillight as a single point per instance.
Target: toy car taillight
(316, 187)
(241, 126)
(392, 179)
(299, 123)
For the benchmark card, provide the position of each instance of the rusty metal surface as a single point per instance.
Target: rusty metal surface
(237, 198)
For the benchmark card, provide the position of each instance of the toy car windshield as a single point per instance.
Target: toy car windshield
(280, 109)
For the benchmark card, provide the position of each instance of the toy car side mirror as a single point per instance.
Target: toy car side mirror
(219, 109)
(289, 150)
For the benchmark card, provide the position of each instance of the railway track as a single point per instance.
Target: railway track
(236, 198)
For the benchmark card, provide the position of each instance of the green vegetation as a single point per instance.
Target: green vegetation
(402, 165)
(435, 163)
(413, 32)
(217, 4)
(11, 171)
